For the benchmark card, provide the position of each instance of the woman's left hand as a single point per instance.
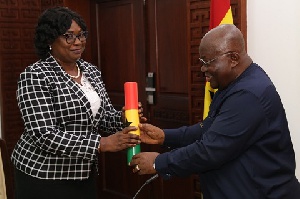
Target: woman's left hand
(140, 111)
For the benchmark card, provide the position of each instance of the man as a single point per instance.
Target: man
(243, 148)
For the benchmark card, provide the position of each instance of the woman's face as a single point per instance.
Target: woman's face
(72, 51)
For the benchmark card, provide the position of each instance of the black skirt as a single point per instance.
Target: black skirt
(28, 187)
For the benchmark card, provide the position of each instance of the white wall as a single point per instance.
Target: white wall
(274, 43)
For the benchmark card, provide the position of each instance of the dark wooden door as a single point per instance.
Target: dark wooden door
(167, 57)
(136, 37)
(166, 22)
(121, 47)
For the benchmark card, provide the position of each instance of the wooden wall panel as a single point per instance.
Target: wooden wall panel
(17, 22)
(199, 25)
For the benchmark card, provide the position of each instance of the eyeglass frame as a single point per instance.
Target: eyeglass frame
(207, 63)
(74, 37)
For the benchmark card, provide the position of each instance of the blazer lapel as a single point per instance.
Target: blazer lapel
(91, 78)
(73, 86)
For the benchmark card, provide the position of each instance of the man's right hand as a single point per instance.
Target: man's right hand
(151, 134)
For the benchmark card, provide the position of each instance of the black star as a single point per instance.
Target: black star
(126, 123)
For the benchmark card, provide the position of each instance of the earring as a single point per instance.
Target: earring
(50, 48)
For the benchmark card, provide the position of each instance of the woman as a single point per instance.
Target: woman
(64, 104)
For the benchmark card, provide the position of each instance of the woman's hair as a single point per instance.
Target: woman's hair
(51, 24)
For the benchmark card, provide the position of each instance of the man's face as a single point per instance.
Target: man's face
(216, 68)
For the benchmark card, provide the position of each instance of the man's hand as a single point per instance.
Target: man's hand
(142, 163)
(151, 134)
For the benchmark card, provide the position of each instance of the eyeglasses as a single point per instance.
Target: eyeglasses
(71, 38)
(206, 63)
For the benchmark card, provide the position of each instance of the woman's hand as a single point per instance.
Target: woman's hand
(140, 111)
(151, 134)
(120, 140)
(142, 119)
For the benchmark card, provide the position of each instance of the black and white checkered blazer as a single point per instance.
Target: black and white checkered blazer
(61, 138)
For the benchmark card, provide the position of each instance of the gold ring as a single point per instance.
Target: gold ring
(137, 167)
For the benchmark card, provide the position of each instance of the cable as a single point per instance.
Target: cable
(147, 182)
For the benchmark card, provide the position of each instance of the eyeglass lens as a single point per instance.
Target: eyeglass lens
(71, 38)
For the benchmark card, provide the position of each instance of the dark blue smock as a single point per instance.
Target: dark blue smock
(242, 150)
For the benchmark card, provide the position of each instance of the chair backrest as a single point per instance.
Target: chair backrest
(6, 181)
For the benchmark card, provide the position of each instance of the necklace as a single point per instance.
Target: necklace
(78, 73)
